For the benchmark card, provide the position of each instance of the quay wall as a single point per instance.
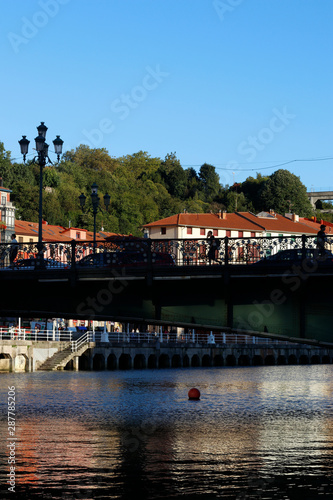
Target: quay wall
(107, 357)
(29, 356)
(24, 355)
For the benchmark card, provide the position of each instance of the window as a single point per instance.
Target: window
(240, 234)
(163, 230)
(202, 231)
(189, 230)
(20, 239)
(228, 233)
(253, 234)
(77, 236)
(215, 232)
(3, 200)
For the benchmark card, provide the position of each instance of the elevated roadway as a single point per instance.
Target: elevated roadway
(314, 196)
(291, 302)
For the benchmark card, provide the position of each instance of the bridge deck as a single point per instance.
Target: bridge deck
(285, 298)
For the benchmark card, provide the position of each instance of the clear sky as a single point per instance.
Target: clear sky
(245, 85)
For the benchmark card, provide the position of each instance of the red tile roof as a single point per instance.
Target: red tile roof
(242, 221)
(279, 223)
(214, 221)
(49, 232)
(55, 233)
(315, 224)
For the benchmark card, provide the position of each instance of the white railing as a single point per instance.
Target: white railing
(84, 339)
(12, 333)
(127, 337)
(186, 338)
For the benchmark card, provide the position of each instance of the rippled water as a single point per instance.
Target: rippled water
(256, 433)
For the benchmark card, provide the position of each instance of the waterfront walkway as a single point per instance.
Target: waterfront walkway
(30, 351)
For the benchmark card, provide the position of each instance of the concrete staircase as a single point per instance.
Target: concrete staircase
(60, 359)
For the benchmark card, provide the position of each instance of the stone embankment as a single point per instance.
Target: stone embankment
(23, 355)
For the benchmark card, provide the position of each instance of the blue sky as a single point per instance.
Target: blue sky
(245, 85)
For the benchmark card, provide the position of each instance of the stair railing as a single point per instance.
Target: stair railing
(83, 339)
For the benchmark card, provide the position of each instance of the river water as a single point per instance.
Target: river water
(256, 433)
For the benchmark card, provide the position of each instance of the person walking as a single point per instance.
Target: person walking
(321, 238)
(13, 251)
(212, 247)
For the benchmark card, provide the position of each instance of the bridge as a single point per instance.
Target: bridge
(314, 196)
(242, 290)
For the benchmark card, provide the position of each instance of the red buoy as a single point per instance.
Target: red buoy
(194, 393)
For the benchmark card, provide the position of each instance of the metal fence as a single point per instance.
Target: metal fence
(77, 338)
(12, 333)
(142, 252)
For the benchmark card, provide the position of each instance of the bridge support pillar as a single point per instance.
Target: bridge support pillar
(29, 365)
(90, 363)
(76, 363)
(12, 364)
(33, 365)
(105, 358)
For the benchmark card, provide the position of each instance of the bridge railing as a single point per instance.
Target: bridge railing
(145, 252)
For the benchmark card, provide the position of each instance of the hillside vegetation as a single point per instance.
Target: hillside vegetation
(142, 189)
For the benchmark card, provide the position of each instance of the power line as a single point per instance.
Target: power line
(234, 169)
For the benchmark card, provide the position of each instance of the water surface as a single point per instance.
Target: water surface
(257, 432)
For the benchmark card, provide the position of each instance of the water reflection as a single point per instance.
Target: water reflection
(261, 432)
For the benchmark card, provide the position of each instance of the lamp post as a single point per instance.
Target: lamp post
(95, 205)
(41, 159)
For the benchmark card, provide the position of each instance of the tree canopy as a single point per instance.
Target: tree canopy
(284, 192)
(142, 189)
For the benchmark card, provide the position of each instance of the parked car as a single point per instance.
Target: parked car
(293, 255)
(125, 259)
(31, 264)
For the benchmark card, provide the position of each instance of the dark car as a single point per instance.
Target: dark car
(296, 255)
(125, 259)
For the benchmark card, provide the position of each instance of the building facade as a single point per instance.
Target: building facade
(7, 216)
(233, 225)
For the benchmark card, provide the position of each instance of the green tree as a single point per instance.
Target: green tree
(209, 182)
(173, 176)
(192, 183)
(284, 190)
(142, 189)
(139, 165)
(252, 189)
(51, 177)
(91, 159)
(6, 168)
(52, 209)
(236, 202)
(196, 206)
(25, 198)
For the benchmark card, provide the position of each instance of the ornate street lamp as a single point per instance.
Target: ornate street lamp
(41, 159)
(95, 205)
